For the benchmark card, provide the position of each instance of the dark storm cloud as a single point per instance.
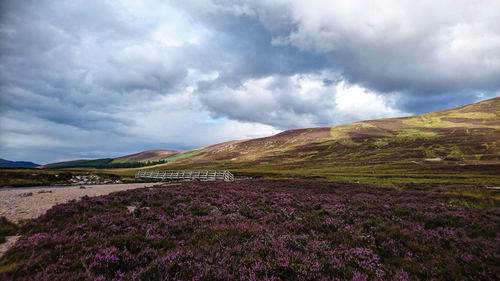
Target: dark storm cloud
(417, 52)
(417, 48)
(279, 100)
(247, 44)
(248, 52)
(70, 64)
(75, 74)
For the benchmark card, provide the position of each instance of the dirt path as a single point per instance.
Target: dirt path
(27, 203)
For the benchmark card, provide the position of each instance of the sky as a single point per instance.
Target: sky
(95, 78)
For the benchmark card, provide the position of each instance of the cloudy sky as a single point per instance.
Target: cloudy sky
(97, 78)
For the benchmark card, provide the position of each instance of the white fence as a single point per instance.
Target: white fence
(202, 175)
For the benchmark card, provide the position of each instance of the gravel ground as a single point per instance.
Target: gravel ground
(27, 203)
(17, 204)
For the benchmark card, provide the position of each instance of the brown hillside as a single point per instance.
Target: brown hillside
(149, 155)
(469, 133)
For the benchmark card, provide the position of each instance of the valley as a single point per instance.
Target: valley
(412, 198)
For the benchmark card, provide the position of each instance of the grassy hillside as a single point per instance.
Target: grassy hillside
(456, 145)
(145, 156)
(460, 145)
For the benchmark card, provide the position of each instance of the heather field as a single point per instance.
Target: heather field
(262, 230)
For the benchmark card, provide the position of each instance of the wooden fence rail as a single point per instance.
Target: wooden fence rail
(202, 175)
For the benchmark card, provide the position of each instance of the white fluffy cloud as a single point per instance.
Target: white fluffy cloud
(301, 100)
(357, 103)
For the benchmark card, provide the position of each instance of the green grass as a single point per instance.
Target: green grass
(183, 156)
(7, 267)
(392, 173)
(340, 132)
(413, 134)
(435, 120)
(472, 115)
(131, 158)
(471, 203)
(41, 177)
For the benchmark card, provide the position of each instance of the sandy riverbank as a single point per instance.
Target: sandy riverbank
(17, 204)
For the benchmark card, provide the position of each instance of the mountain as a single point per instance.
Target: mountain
(25, 164)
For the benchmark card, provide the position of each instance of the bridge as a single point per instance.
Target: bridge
(201, 175)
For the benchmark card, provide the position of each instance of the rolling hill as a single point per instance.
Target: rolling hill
(145, 156)
(450, 142)
(141, 159)
(469, 133)
(464, 139)
(23, 164)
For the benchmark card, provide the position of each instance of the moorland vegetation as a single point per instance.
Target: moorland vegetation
(262, 230)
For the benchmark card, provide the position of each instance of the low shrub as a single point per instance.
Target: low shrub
(260, 230)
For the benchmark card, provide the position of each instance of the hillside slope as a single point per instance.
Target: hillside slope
(466, 136)
(467, 133)
(141, 159)
(24, 164)
(144, 156)
(457, 143)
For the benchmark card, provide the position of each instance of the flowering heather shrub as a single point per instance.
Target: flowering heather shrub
(261, 229)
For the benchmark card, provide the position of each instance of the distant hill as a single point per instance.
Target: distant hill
(24, 164)
(145, 156)
(141, 159)
(82, 163)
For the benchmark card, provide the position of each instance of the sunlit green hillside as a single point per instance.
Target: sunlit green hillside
(460, 145)
(461, 142)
